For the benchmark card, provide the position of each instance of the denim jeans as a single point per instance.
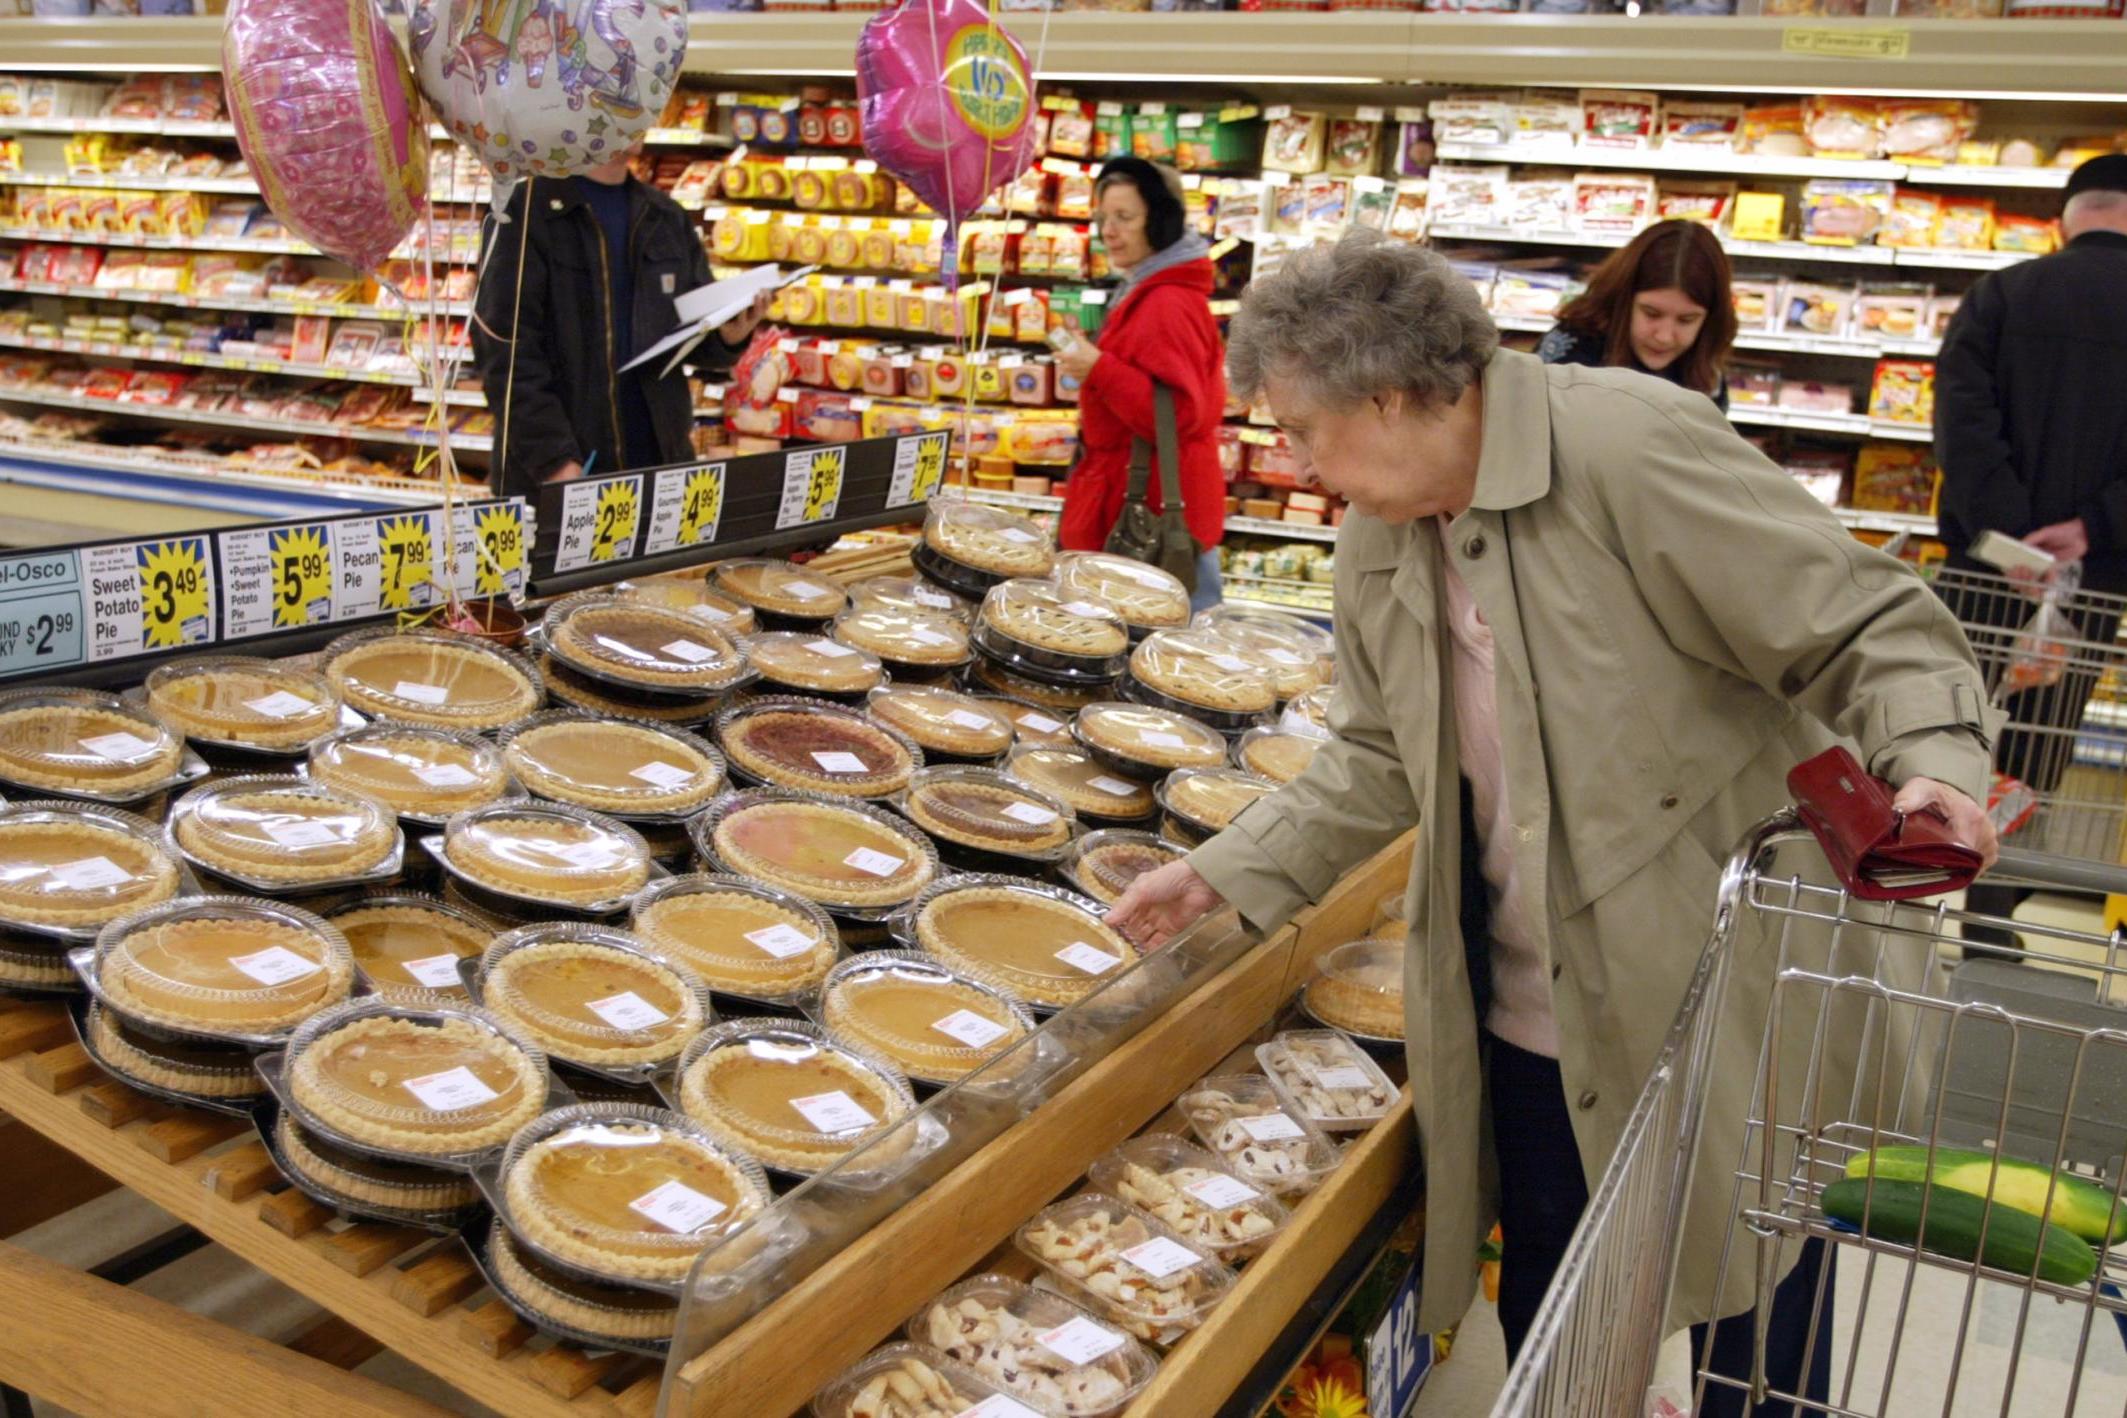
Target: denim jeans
(1208, 591)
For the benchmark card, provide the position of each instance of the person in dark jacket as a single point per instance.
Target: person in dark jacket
(578, 278)
(1660, 304)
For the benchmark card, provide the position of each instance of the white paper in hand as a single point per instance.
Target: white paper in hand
(704, 308)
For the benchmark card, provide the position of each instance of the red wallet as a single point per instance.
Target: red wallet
(1880, 853)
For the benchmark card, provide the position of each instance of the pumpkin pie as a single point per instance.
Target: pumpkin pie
(610, 766)
(1358, 987)
(429, 1083)
(943, 721)
(1103, 864)
(692, 595)
(552, 1298)
(1277, 755)
(86, 743)
(920, 1015)
(1212, 798)
(983, 809)
(284, 830)
(557, 854)
(907, 593)
(220, 965)
(1146, 597)
(920, 638)
(1040, 945)
(64, 866)
(838, 855)
(626, 1191)
(590, 997)
(817, 748)
(409, 947)
(366, 1181)
(1044, 616)
(739, 937)
(30, 962)
(1146, 738)
(429, 677)
(251, 702)
(987, 676)
(1204, 668)
(988, 539)
(581, 692)
(421, 773)
(782, 1092)
(810, 664)
(1088, 788)
(650, 646)
(203, 1070)
(779, 588)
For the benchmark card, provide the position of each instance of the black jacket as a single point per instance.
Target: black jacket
(1561, 345)
(560, 398)
(2031, 404)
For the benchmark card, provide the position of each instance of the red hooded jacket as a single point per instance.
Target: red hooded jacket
(1164, 332)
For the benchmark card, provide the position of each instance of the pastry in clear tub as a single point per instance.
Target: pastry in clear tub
(1327, 1079)
(1042, 1349)
(1240, 1119)
(1125, 1266)
(1203, 1200)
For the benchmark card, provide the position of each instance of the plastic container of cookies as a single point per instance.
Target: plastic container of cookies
(1146, 597)
(789, 1103)
(1046, 1352)
(743, 938)
(815, 746)
(424, 775)
(867, 872)
(549, 855)
(1358, 988)
(643, 648)
(83, 743)
(695, 596)
(933, 1021)
(1327, 1079)
(1099, 795)
(947, 725)
(1241, 1119)
(1203, 1200)
(1110, 1247)
(1139, 741)
(68, 869)
(1102, 864)
(907, 642)
(595, 1314)
(1203, 674)
(908, 593)
(229, 969)
(982, 545)
(952, 1390)
(1277, 755)
(432, 677)
(1037, 628)
(1205, 801)
(277, 834)
(217, 1077)
(807, 662)
(780, 593)
(632, 770)
(982, 819)
(593, 997)
(244, 704)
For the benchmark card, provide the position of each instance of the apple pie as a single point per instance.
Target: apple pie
(1042, 615)
(990, 540)
(1146, 597)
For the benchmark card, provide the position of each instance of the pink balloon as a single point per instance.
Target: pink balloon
(324, 111)
(947, 103)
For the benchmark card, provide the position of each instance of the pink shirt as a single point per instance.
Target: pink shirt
(1521, 990)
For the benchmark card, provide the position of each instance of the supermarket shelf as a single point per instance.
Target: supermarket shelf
(1760, 340)
(1892, 522)
(1264, 527)
(208, 302)
(1859, 425)
(1903, 257)
(1024, 501)
(101, 350)
(168, 128)
(143, 181)
(200, 243)
(1692, 158)
(74, 468)
(2044, 178)
(215, 418)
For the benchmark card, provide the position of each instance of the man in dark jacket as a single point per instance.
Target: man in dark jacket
(584, 271)
(2031, 429)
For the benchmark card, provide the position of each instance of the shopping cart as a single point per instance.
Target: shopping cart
(2060, 682)
(1867, 1037)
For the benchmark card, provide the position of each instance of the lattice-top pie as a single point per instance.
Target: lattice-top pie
(61, 866)
(1084, 785)
(642, 644)
(1205, 668)
(77, 741)
(813, 663)
(1157, 738)
(782, 589)
(409, 946)
(818, 748)
(1280, 757)
(780, 1092)
(428, 677)
(613, 767)
(1043, 615)
(1107, 862)
(236, 700)
(548, 854)
(907, 637)
(1044, 949)
(591, 1001)
(988, 539)
(943, 720)
(1213, 798)
(284, 830)
(1142, 595)
(834, 855)
(423, 772)
(739, 938)
(981, 808)
(215, 965)
(429, 1084)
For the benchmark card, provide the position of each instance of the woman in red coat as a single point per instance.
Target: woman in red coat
(1158, 330)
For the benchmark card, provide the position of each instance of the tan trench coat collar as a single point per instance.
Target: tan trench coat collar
(1514, 468)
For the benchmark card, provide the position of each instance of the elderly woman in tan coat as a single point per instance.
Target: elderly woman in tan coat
(1583, 632)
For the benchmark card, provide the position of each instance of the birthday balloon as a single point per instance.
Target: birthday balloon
(947, 103)
(545, 88)
(326, 117)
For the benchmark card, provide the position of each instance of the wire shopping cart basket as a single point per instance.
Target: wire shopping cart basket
(2058, 675)
(1866, 1038)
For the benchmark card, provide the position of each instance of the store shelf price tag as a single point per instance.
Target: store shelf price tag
(598, 522)
(812, 485)
(1840, 42)
(498, 549)
(678, 1207)
(145, 596)
(41, 617)
(1080, 1340)
(406, 562)
(299, 566)
(686, 508)
(834, 1112)
(1160, 1257)
(919, 467)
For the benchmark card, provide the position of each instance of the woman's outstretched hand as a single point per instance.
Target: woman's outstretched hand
(1161, 904)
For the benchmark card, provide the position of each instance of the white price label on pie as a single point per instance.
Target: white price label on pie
(970, 1028)
(998, 1406)
(833, 1112)
(446, 775)
(839, 762)
(968, 719)
(1040, 723)
(678, 1207)
(120, 747)
(1160, 738)
(275, 965)
(1031, 814)
(925, 596)
(1232, 664)
(1160, 1257)
(828, 648)
(781, 940)
(90, 873)
(924, 635)
(588, 855)
(689, 651)
(1115, 787)
(1271, 1127)
(700, 612)
(437, 972)
(1020, 535)
(1221, 1191)
(663, 775)
(421, 693)
(1284, 657)
(627, 1010)
(450, 1090)
(807, 590)
(302, 832)
(1345, 1077)
(1142, 575)
(279, 705)
(1079, 1341)
(1086, 608)
(1089, 958)
(866, 860)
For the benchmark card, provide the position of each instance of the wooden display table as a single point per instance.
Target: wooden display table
(421, 1296)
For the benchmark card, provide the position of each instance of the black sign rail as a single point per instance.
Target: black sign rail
(108, 611)
(597, 530)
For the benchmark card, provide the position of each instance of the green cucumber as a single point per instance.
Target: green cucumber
(2081, 1206)
(2014, 1238)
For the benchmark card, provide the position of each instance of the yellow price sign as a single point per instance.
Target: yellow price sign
(173, 592)
(930, 467)
(701, 509)
(613, 535)
(823, 487)
(302, 577)
(501, 534)
(406, 562)
(1839, 42)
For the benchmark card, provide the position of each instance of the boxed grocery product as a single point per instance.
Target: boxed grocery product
(1774, 130)
(1111, 130)
(1892, 312)
(1373, 203)
(1539, 118)
(1540, 201)
(2034, 236)
(1326, 202)
(1843, 211)
(1896, 477)
(1414, 147)
(1152, 133)
(1481, 277)
(1912, 219)
(1531, 294)
(1458, 195)
(1352, 147)
(1753, 385)
(1706, 203)
(1619, 118)
(1927, 130)
(1224, 138)
(1472, 117)
(1965, 223)
(1612, 203)
(1940, 311)
(1070, 126)
(1843, 126)
(1821, 471)
(1815, 396)
(1759, 216)
(1812, 308)
(1407, 218)
(1718, 125)
(1904, 391)
(1293, 142)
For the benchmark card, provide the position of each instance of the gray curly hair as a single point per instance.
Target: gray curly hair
(1359, 318)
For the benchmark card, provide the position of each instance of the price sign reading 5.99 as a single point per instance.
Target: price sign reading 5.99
(812, 485)
(300, 569)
